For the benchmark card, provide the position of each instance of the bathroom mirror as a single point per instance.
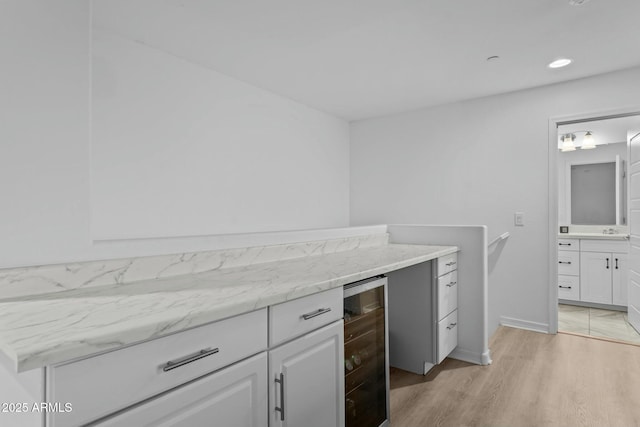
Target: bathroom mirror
(593, 194)
(596, 193)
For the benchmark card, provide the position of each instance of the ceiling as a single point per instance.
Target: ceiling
(364, 58)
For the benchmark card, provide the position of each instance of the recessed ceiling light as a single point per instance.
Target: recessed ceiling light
(559, 63)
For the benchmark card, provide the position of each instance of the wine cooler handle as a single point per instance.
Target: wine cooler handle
(281, 408)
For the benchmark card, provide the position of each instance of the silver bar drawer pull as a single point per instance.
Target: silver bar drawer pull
(281, 407)
(173, 364)
(564, 262)
(450, 284)
(564, 287)
(449, 264)
(565, 244)
(452, 325)
(316, 313)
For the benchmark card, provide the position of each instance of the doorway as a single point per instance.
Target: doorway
(589, 224)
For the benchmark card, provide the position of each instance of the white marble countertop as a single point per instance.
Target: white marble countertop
(41, 330)
(595, 236)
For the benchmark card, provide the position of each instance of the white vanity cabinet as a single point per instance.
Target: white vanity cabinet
(603, 271)
(423, 314)
(569, 269)
(306, 368)
(593, 271)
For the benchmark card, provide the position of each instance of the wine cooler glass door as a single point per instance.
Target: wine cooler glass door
(365, 351)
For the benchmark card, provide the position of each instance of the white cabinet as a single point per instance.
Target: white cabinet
(604, 277)
(569, 269)
(144, 370)
(232, 397)
(281, 366)
(603, 271)
(446, 278)
(593, 271)
(307, 380)
(299, 316)
(423, 314)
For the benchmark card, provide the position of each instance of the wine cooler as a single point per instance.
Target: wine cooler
(366, 355)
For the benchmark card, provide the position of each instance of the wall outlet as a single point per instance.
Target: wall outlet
(518, 219)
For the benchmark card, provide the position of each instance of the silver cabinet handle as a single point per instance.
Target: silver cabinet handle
(173, 364)
(316, 313)
(450, 284)
(564, 262)
(564, 287)
(616, 263)
(564, 244)
(281, 408)
(449, 264)
(607, 263)
(452, 325)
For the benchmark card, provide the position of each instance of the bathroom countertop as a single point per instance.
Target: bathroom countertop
(46, 329)
(595, 236)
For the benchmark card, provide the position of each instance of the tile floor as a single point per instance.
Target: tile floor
(596, 322)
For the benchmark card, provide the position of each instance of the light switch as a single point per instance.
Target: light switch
(519, 219)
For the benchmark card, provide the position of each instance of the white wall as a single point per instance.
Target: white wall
(250, 161)
(600, 154)
(478, 162)
(181, 150)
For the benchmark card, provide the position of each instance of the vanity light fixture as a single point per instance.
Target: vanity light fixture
(567, 142)
(588, 142)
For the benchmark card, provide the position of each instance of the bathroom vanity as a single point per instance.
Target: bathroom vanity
(592, 268)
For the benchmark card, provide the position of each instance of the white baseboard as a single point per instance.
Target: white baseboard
(524, 324)
(471, 356)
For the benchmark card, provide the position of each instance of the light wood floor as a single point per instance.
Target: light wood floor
(535, 380)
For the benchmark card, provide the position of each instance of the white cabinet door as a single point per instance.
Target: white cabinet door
(619, 279)
(307, 380)
(595, 277)
(232, 397)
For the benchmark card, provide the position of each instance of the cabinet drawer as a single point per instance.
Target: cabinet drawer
(620, 246)
(447, 264)
(447, 294)
(100, 385)
(569, 288)
(569, 244)
(294, 318)
(568, 263)
(447, 335)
